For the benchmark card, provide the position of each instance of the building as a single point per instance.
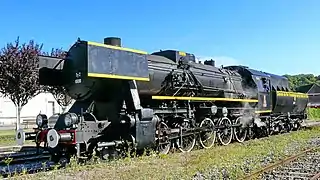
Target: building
(313, 91)
(43, 103)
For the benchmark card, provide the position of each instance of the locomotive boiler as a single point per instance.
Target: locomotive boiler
(129, 99)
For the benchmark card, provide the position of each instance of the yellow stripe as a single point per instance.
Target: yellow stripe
(202, 99)
(263, 111)
(182, 53)
(292, 94)
(117, 77)
(116, 47)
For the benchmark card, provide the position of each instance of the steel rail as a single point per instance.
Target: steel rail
(315, 177)
(281, 163)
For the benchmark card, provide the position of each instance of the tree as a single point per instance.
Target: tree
(59, 92)
(19, 73)
(61, 96)
(298, 80)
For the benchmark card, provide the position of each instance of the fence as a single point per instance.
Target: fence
(10, 122)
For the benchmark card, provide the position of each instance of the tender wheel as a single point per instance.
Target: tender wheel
(225, 134)
(240, 132)
(274, 129)
(296, 125)
(186, 143)
(299, 125)
(207, 138)
(164, 144)
(287, 127)
(250, 133)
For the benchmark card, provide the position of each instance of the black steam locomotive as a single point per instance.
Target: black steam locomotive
(126, 98)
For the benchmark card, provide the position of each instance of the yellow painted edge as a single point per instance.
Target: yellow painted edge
(116, 47)
(117, 77)
(292, 94)
(263, 111)
(182, 53)
(202, 98)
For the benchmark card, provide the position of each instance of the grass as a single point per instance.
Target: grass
(232, 161)
(8, 133)
(313, 113)
(7, 138)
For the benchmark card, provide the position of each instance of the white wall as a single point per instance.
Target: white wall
(44, 103)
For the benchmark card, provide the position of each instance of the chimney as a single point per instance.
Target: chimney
(210, 62)
(113, 41)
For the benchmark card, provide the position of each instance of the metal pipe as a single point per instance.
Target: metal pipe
(108, 144)
(30, 135)
(78, 150)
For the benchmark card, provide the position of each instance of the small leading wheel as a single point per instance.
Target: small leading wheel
(240, 132)
(187, 142)
(207, 138)
(225, 134)
(163, 142)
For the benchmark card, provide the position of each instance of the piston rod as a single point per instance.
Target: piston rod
(108, 144)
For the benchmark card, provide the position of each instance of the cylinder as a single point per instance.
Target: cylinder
(113, 41)
(65, 137)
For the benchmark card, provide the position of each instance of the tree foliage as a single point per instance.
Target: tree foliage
(302, 79)
(18, 71)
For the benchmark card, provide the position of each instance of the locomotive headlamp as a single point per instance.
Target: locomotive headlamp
(224, 111)
(41, 120)
(70, 119)
(214, 109)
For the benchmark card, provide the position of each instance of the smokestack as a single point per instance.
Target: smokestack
(113, 41)
(210, 62)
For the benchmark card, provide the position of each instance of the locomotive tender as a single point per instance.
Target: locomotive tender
(126, 98)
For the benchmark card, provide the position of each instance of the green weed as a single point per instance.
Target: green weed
(313, 113)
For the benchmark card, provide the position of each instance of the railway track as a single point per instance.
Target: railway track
(26, 159)
(302, 166)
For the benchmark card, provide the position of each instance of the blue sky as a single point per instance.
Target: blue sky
(276, 36)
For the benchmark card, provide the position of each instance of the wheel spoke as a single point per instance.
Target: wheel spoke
(188, 142)
(163, 142)
(207, 139)
(225, 135)
(240, 132)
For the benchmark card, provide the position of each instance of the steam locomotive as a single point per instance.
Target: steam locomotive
(129, 99)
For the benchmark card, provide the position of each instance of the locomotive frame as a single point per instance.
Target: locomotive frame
(127, 98)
